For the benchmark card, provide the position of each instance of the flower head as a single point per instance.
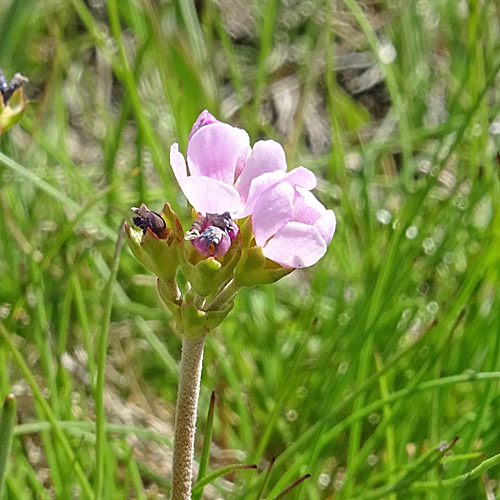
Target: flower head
(293, 228)
(223, 175)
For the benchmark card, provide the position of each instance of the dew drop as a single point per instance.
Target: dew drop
(384, 216)
(429, 246)
(494, 128)
(353, 162)
(411, 232)
(324, 480)
(343, 366)
(387, 53)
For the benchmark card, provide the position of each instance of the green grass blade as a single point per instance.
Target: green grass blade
(207, 440)
(61, 438)
(7, 423)
(219, 473)
(102, 346)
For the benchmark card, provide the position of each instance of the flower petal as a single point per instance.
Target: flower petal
(326, 225)
(216, 150)
(296, 245)
(301, 176)
(257, 187)
(178, 163)
(273, 210)
(309, 210)
(204, 118)
(266, 156)
(306, 208)
(210, 196)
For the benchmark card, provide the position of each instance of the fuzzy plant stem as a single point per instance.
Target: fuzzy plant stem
(185, 417)
(224, 296)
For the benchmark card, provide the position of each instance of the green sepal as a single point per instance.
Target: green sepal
(12, 113)
(171, 296)
(207, 274)
(254, 268)
(158, 255)
(196, 323)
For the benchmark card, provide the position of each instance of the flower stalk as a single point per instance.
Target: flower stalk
(255, 223)
(226, 295)
(185, 416)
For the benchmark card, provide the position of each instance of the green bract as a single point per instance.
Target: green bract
(196, 323)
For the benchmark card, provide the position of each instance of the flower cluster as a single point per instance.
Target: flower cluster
(255, 221)
(226, 175)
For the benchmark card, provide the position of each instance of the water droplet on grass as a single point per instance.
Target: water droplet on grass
(324, 480)
(429, 246)
(384, 216)
(494, 128)
(387, 53)
(411, 232)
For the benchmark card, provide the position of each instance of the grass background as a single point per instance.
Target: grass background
(355, 370)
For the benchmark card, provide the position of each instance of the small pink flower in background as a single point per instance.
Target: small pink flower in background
(226, 175)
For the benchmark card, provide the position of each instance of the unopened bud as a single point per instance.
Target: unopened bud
(155, 246)
(148, 219)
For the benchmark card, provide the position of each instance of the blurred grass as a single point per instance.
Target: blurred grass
(353, 371)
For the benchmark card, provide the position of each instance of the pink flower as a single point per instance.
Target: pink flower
(293, 228)
(226, 175)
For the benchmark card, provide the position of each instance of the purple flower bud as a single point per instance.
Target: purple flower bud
(212, 235)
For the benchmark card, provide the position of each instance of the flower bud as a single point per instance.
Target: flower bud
(156, 246)
(12, 102)
(207, 274)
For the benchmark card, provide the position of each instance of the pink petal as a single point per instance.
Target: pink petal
(301, 176)
(273, 210)
(215, 150)
(296, 245)
(326, 225)
(205, 118)
(306, 208)
(178, 163)
(210, 196)
(309, 210)
(266, 156)
(257, 187)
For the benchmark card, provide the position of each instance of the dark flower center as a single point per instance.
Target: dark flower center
(210, 230)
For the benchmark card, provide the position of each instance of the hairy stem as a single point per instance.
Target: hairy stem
(185, 417)
(224, 296)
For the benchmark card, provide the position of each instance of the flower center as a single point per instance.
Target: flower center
(212, 234)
